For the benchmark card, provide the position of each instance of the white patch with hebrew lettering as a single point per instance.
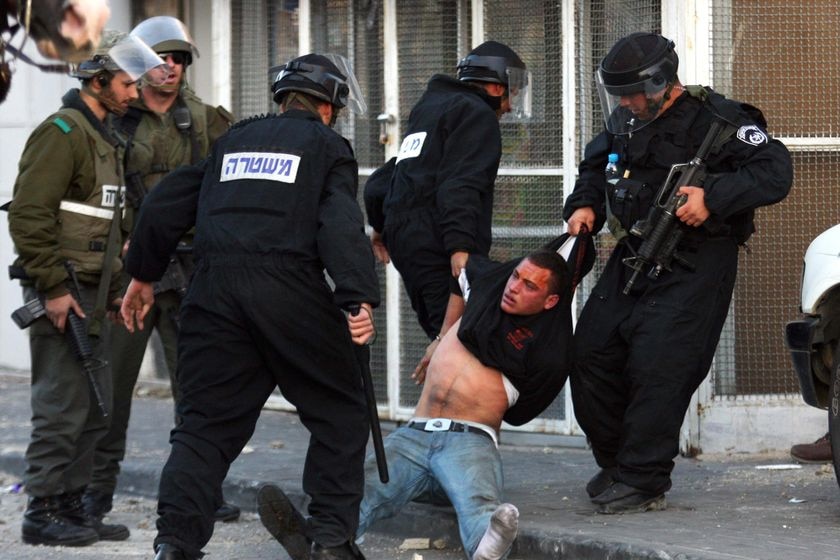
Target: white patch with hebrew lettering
(109, 194)
(411, 146)
(751, 134)
(265, 166)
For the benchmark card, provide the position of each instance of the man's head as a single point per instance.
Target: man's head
(67, 30)
(538, 283)
(170, 38)
(500, 71)
(315, 83)
(635, 80)
(110, 75)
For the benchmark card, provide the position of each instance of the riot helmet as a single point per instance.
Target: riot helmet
(326, 77)
(118, 51)
(166, 34)
(494, 62)
(640, 65)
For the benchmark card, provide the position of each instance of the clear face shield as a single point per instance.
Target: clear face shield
(167, 32)
(629, 108)
(519, 92)
(138, 60)
(353, 98)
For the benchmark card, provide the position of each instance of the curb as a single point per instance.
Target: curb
(436, 523)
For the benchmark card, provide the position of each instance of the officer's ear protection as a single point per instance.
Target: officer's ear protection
(102, 80)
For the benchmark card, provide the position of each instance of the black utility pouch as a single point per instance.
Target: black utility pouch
(629, 201)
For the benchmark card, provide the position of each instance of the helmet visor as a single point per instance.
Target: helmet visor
(165, 34)
(629, 107)
(353, 98)
(519, 92)
(138, 60)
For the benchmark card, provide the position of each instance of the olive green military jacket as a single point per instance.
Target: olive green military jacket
(159, 145)
(64, 199)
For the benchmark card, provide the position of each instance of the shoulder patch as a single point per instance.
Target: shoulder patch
(751, 134)
(62, 124)
(411, 146)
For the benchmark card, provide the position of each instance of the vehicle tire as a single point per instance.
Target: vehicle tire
(834, 414)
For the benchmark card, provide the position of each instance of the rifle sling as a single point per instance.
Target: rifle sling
(98, 315)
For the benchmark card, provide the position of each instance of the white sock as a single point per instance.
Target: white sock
(499, 535)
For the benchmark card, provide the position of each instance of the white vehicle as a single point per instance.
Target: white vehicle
(814, 340)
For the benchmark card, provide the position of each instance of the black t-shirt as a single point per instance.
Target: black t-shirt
(534, 352)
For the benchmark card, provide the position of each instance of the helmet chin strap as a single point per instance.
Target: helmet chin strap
(655, 108)
(107, 100)
(165, 88)
(667, 95)
(294, 97)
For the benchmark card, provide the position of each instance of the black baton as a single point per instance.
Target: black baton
(363, 357)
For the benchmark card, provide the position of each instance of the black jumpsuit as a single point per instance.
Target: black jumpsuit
(640, 357)
(273, 205)
(441, 195)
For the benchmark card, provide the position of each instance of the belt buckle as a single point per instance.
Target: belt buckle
(438, 425)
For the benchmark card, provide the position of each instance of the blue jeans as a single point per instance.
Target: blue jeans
(463, 469)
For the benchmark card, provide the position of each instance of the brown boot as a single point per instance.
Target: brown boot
(817, 452)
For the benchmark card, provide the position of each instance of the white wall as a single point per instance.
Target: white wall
(33, 97)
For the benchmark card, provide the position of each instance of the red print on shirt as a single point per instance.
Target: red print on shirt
(518, 336)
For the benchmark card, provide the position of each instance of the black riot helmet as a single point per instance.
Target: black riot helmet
(494, 62)
(325, 77)
(638, 63)
(489, 62)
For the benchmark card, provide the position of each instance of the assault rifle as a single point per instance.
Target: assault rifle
(75, 329)
(661, 231)
(178, 271)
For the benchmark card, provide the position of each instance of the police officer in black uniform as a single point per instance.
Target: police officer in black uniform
(641, 355)
(273, 205)
(438, 207)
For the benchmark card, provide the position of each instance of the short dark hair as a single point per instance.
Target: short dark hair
(560, 278)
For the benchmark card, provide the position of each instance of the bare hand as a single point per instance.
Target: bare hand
(379, 249)
(58, 308)
(136, 303)
(113, 312)
(419, 375)
(458, 261)
(584, 216)
(361, 325)
(693, 212)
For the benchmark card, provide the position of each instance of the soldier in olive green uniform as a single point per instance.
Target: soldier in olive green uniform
(167, 127)
(67, 208)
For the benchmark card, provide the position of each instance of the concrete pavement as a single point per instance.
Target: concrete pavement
(721, 507)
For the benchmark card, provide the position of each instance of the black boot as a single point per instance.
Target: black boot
(74, 510)
(621, 498)
(602, 480)
(96, 503)
(168, 551)
(44, 524)
(283, 521)
(226, 512)
(346, 551)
